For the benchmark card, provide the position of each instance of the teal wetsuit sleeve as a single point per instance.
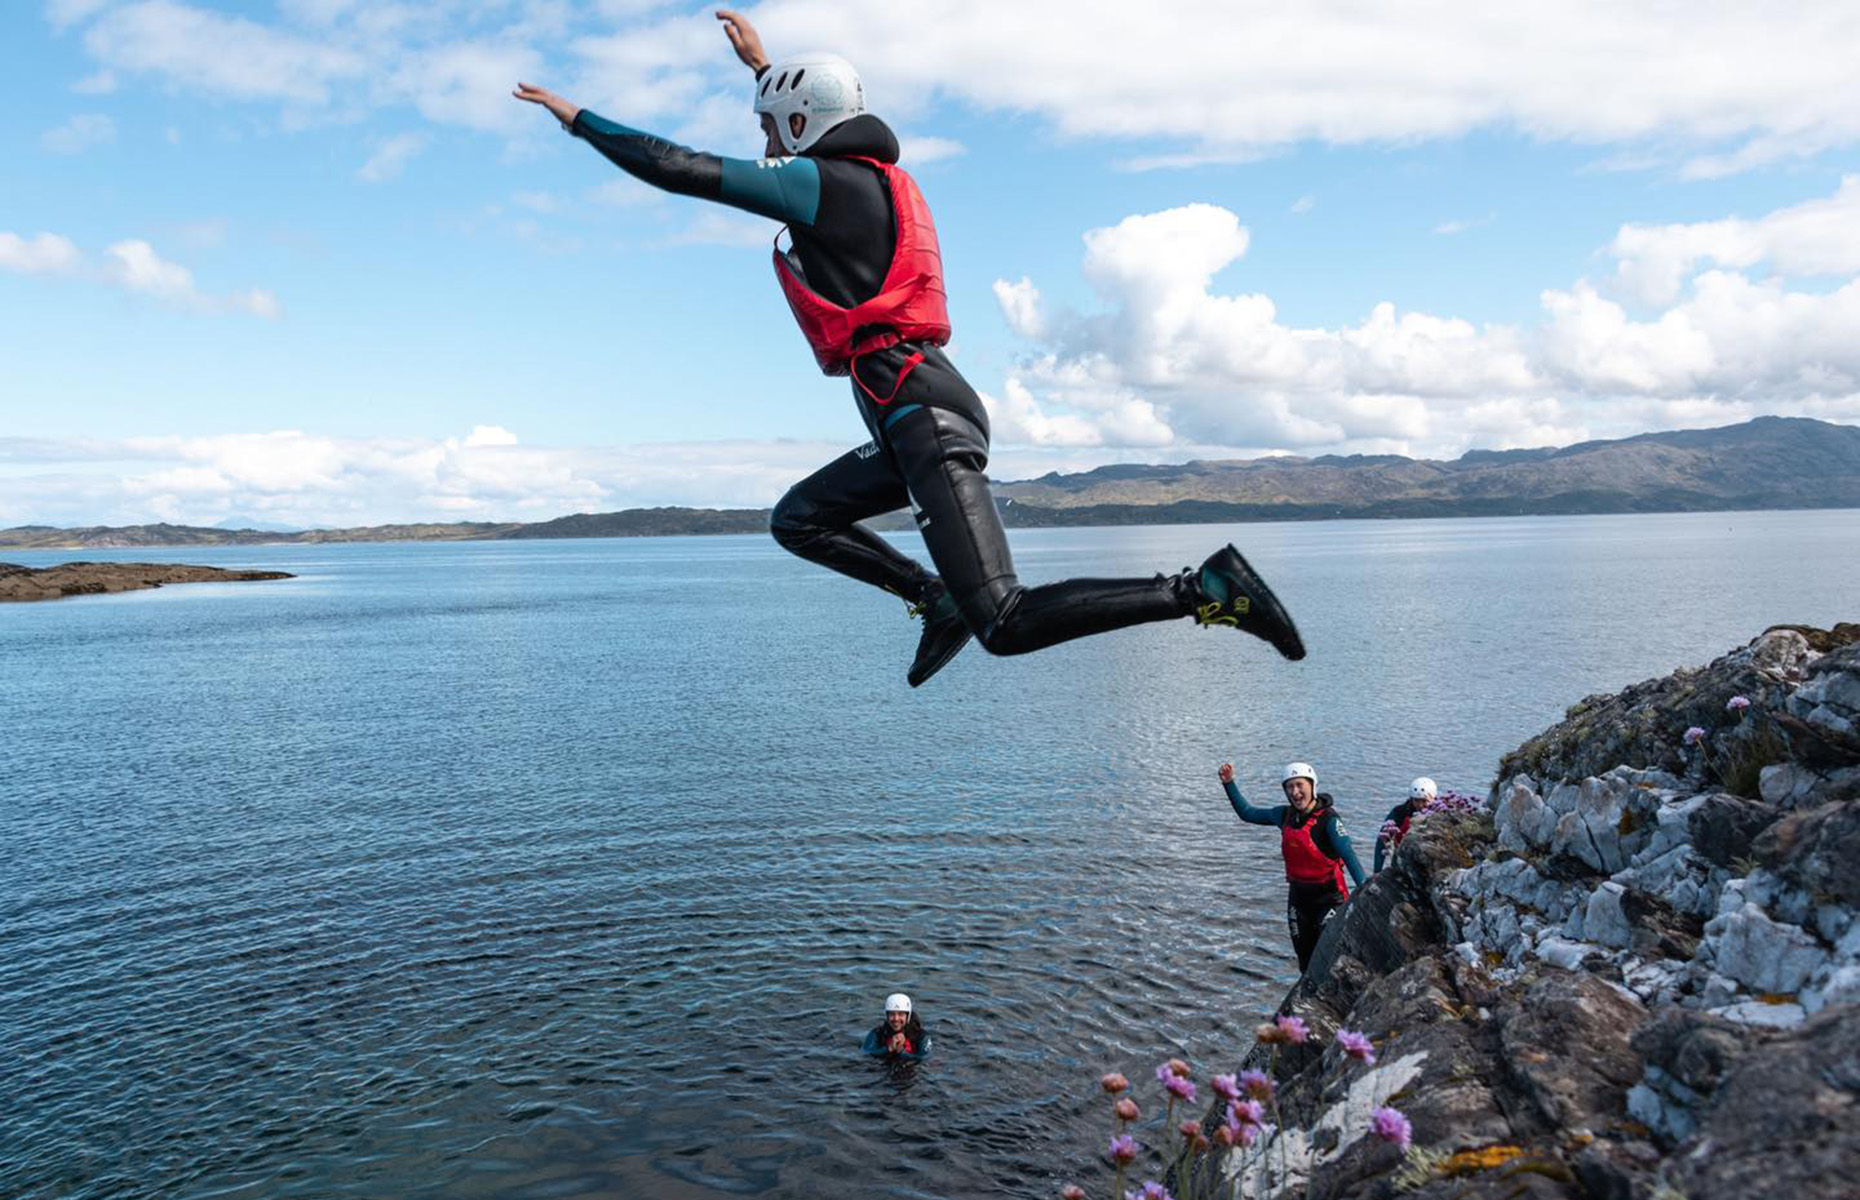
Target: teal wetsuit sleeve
(871, 1045)
(1251, 814)
(1340, 842)
(786, 189)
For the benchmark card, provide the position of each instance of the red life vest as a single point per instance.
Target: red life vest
(910, 305)
(1304, 862)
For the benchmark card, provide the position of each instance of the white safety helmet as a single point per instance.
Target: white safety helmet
(897, 1002)
(1422, 789)
(822, 88)
(1299, 771)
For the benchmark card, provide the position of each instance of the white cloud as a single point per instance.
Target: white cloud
(390, 156)
(920, 151)
(131, 264)
(1774, 79)
(468, 83)
(79, 134)
(1816, 238)
(1302, 205)
(199, 50)
(44, 254)
(304, 478)
(490, 435)
(1462, 224)
(1222, 369)
(1731, 87)
(1020, 305)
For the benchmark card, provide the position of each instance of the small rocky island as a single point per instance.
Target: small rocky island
(1634, 974)
(91, 578)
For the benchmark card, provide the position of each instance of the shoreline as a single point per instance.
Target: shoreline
(25, 584)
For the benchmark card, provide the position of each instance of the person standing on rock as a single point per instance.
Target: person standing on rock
(1316, 850)
(1421, 793)
(864, 278)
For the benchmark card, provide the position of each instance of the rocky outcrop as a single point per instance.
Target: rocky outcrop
(88, 578)
(1633, 977)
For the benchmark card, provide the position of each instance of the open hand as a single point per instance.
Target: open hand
(743, 39)
(564, 111)
(1227, 772)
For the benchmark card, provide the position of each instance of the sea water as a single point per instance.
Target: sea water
(579, 868)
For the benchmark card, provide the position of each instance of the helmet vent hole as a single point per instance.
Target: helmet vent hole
(765, 86)
(782, 82)
(799, 75)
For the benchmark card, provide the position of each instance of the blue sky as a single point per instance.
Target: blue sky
(306, 262)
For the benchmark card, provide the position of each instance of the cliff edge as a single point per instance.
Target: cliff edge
(1634, 976)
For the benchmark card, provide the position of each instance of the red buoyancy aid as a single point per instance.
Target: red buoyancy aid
(910, 305)
(1304, 862)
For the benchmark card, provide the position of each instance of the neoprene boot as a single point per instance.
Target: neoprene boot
(1232, 594)
(944, 634)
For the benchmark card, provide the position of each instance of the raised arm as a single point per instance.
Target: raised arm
(1247, 812)
(744, 40)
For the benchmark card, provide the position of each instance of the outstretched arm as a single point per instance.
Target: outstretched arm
(786, 189)
(1246, 812)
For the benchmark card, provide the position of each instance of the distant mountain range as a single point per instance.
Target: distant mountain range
(1770, 462)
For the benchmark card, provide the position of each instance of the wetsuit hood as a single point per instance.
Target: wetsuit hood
(863, 136)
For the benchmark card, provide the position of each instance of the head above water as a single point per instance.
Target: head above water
(1422, 789)
(897, 1010)
(799, 99)
(1300, 784)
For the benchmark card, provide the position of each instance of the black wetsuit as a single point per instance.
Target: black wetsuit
(1401, 815)
(929, 439)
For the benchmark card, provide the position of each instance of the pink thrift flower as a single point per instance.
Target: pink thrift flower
(1694, 736)
(1113, 1083)
(1393, 1128)
(1246, 1112)
(1126, 1109)
(1178, 1068)
(1151, 1190)
(1257, 1084)
(1737, 704)
(1072, 1191)
(1292, 1030)
(1124, 1150)
(1225, 1086)
(1356, 1046)
(1184, 1088)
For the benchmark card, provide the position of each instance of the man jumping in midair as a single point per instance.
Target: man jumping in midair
(865, 280)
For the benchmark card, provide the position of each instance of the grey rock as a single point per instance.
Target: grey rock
(1759, 1014)
(1783, 1121)
(1603, 921)
(1762, 954)
(1816, 851)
